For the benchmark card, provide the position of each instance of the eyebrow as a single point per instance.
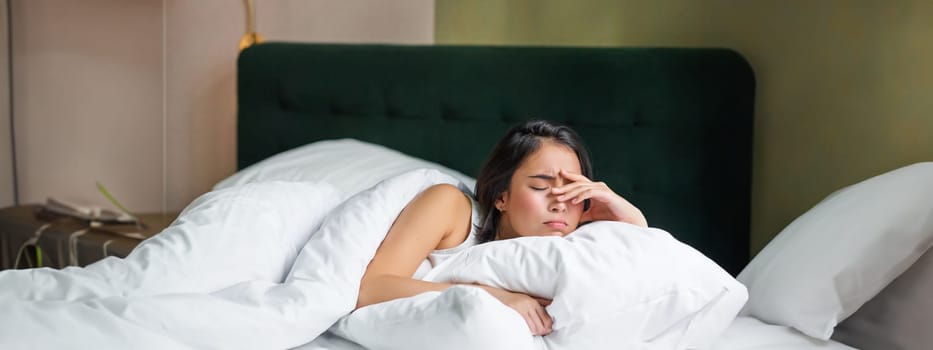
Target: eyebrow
(543, 176)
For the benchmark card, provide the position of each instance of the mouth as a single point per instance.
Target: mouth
(556, 224)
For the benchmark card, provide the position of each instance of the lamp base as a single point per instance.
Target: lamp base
(249, 39)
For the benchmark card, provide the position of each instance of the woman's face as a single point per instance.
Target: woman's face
(528, 207)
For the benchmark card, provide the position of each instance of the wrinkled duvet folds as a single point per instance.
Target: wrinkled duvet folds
(275, 265)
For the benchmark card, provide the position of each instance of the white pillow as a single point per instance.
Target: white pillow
(613, 285)
(832, 259)
(461, 317)
(350, 165)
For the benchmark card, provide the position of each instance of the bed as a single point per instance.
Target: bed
(335, 140)
(670, 129)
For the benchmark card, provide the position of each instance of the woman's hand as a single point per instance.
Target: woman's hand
(604, 203)
(530, 308)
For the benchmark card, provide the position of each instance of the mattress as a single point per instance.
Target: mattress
(749, 333)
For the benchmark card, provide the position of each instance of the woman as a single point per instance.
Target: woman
(536, 183)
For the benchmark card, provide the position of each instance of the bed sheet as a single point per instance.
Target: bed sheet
(749, 333)
(330, 341)
(745, 333)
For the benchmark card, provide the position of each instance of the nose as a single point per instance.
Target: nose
(557, 207)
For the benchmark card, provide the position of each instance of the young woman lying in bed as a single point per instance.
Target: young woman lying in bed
(536, 183)
(278, 262)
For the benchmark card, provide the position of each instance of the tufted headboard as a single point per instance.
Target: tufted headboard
(670, 129)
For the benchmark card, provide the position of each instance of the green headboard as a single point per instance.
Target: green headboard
(670, 129)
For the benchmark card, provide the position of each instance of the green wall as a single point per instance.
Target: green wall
(845, 88)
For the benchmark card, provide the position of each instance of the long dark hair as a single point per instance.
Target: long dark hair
(518, 143)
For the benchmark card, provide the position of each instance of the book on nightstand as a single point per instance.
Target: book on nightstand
(88, 213)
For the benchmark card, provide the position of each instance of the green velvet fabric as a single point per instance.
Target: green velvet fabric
(670, 129)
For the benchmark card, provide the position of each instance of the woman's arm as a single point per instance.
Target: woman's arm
(440, 214)
(437, 218)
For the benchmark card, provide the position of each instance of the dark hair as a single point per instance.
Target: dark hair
(518, 143)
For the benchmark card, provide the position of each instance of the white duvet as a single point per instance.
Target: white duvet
(274, 265)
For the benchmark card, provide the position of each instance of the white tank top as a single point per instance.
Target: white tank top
(438, 256)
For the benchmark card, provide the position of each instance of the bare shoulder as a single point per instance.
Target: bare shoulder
(440, 206)
(455, 209)
(433, 219)
(443, 199)
(447, 191)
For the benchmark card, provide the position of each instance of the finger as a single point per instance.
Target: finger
(543, 301)
(539, 324)
(577, 195)
(545, 320)
(530, 322)
(573, 176)
(568, 187)
(589, 193)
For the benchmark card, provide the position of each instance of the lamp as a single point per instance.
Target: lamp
(251, 37)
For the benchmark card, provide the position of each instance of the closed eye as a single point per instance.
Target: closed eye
(538, 188)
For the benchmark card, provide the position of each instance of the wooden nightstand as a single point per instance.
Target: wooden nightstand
(65, 241)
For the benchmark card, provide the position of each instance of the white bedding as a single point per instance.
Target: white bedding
(745, 333)
(350, 165)
(214, 279)
(613, 285)
(748, 333)
(273, 265)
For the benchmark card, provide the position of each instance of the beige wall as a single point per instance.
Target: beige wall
(101, 96)
(87, 87)
(843, 85)
(202, 38)
(6, 152)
